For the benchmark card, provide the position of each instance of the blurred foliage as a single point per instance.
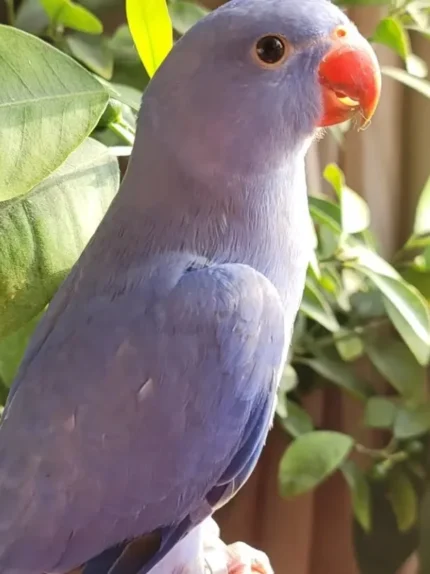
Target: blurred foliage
(74, 80)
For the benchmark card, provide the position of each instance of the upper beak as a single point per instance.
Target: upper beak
(350, 78)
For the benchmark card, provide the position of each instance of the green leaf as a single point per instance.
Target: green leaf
(44, 232)
(355, 213)
(349, 346)
(289, 379)
(326, 212)
(422, 213)
(403, 498)
(12, 349)
(296, 421)
(360, 493)
(72, 15)
(406, 307)
(411, 319)
(418, 84)
(334, 175)
(185, 14)
(399, 366)
(125, 94)
(380, 412)
(390, 32)
(92, 51)
(315, 306)
(128, 68)
(50, 106)
(151, 29)
(416, 66)
(420, 279)
(310, 459)
(412, 421)
(358, 257)
(384, 549)
(340, 373)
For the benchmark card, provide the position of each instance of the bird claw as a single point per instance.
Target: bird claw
(243, 559)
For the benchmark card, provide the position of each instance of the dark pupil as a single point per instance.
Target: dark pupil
(270, 49)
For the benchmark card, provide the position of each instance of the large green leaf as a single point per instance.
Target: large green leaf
(151, 29)
(310, 459)
(12, 349)
(48, 105)
(44, 232)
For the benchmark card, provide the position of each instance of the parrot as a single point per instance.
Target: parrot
(148, 388)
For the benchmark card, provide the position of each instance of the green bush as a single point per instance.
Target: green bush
(81, 89)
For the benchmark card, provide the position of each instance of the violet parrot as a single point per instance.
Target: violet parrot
(147, 391)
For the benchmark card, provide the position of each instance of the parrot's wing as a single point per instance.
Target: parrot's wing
(141, 406)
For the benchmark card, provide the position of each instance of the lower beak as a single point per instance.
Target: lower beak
(350, 79)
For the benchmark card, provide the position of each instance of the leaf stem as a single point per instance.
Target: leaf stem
(123, 132)
(10, 8)
(354, 332)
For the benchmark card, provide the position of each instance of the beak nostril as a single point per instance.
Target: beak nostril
(340, 32)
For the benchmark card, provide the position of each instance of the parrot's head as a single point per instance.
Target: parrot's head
(256, 79)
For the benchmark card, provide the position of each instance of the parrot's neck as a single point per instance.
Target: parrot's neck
(260, 219)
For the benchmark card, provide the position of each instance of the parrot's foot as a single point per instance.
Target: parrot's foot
(243, 559)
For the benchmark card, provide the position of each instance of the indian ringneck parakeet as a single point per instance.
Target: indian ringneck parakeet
(147, 391)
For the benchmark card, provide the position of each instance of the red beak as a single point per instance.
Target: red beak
(350, 78)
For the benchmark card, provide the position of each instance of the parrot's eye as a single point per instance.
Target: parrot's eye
(271, 50)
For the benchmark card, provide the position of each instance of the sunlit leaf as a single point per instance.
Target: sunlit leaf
(391, 33)
(151, 29)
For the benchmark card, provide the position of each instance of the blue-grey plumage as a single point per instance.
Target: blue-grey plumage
(147, 391)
